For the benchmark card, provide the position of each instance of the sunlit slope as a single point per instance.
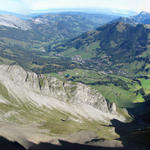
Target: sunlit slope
(53, 106)
(117, 47)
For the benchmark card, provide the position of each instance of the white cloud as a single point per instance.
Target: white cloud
(13, 6)
(60, 4)
(144, 5)
(26, 5)
(120, 4)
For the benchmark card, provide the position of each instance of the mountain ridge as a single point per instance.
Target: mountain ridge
(65, 95)
(115, 42)
(142, 18)
(54, 108)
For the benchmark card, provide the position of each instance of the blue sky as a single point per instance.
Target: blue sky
(24, 6)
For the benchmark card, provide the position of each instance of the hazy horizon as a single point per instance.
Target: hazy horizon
(27, 6)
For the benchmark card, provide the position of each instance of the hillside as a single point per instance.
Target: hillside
(111, 46)
(52, 28)
(118, 55)
(26, 41)
(43, 108)
(59, 81)
(37, 108)
(107, 53)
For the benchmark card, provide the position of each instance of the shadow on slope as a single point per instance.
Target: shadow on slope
(135, 134)
(9, 145)
(64, 145)
(69, 146)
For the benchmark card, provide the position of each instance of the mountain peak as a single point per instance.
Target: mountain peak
(14, 22)
(144, 13)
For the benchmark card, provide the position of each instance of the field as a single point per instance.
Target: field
(123, 91)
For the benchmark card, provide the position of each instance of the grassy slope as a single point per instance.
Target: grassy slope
(145, 85)
(125, 51)
(116, 89)
(55, 121)
(86, 52)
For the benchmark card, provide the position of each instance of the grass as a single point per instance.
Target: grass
(5, 94)
(146, 85)
(57, 126)
(57, 123)
(86, 52)
(118, 89)
(123, 98)
(5, 61)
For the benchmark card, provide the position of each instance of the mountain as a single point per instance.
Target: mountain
(116, 55)
(28, 42)
(52, 28)
(43, 106)
(18, 15)
(59, 81)
(109, 52)
(113, 44)
(39, 108)
(101, 18)
(63, 26)
(142, 18)
(14, 22)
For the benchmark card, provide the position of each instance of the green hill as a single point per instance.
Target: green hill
(118, 47)
(116, 55)
(121, 52)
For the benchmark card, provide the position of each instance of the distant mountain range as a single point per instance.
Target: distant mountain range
(105, 11)
(113, 46)
(51, 28)
(78, 70)
(142, 18)
(26, 41)
(73, 35)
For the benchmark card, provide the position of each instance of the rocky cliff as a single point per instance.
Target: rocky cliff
(14, 22)
(24, 84)
(59, 107)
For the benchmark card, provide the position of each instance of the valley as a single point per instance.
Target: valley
(82, 78)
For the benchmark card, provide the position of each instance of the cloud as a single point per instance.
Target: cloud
(24, 6)
(13, 6)
(144, 5)
(120, 4)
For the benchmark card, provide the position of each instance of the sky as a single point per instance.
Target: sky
(25, 6)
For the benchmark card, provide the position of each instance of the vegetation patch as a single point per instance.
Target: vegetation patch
(121, 90)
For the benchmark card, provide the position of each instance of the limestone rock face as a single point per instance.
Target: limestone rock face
(14, 22)
(75, 98)
(76, 93)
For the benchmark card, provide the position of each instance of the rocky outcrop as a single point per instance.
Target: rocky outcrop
(39, 108)
(14, 22)
(74, 93)
(75, 98)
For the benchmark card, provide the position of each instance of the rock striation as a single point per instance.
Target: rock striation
(14, 22)
(75, 98)
(39, 108)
